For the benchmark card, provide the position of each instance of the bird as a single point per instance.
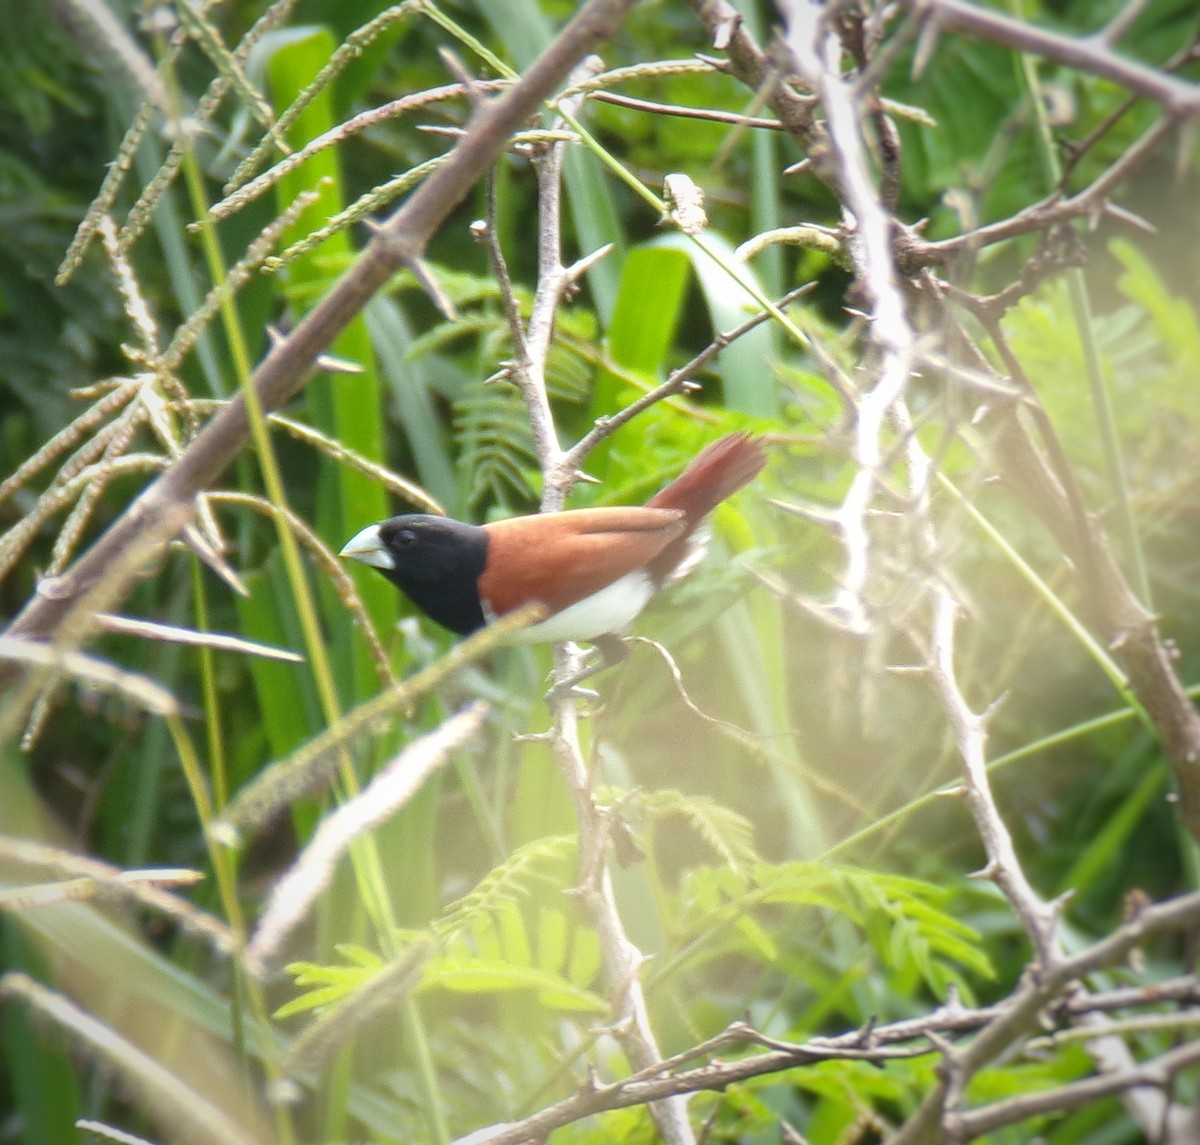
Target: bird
(592, 570)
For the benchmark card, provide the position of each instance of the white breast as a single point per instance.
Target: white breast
(612, 609)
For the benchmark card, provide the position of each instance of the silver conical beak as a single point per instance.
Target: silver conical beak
(367, 546)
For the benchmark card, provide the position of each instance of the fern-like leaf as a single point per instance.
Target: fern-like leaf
(537, 862)
(729, 834)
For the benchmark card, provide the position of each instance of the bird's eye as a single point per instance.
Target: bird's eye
(406, 537)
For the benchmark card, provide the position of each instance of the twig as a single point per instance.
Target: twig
(621, 961)
(679, 382)
(878, 1044)
(553, 279)
(1038, 918)
(1054, 209)
(1156, 1073)
(816, 52)
(705, 114)
(1020, 1011)
(486, 233)
(1092, 54)
(1078, 150)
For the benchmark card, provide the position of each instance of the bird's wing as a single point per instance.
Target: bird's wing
(561, 558)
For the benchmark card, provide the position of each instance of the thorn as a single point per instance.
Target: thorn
(203, 548)
(581, 266)
(458, 70)
(986, 715)
(1059, 903)
(332, 364)
(807, 512)
(429, 284)
(1116, 28)
(569, 691)
(1125, 216)
(990, 872)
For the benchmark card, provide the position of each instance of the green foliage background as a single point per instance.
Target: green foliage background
(795, 866)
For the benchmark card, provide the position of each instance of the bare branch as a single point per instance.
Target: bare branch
(817, 51)
(680, 382)
(621, 961)
(1093, 55)
(1015, 1014)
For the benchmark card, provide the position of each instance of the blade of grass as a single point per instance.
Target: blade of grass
(1056, 604)
(1081, 307)
(349, 409)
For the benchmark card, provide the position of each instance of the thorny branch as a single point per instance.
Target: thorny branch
(1094, 55)
(680, 381)
(817, 51)
(879, 249)
(880, 1044)
(621, 959)
(794, 108)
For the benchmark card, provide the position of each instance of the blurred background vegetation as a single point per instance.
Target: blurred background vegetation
(794, 867)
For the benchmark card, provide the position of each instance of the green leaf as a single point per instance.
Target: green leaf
(744, 365)
(471, 975)
(729, 834)
(537, 862)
